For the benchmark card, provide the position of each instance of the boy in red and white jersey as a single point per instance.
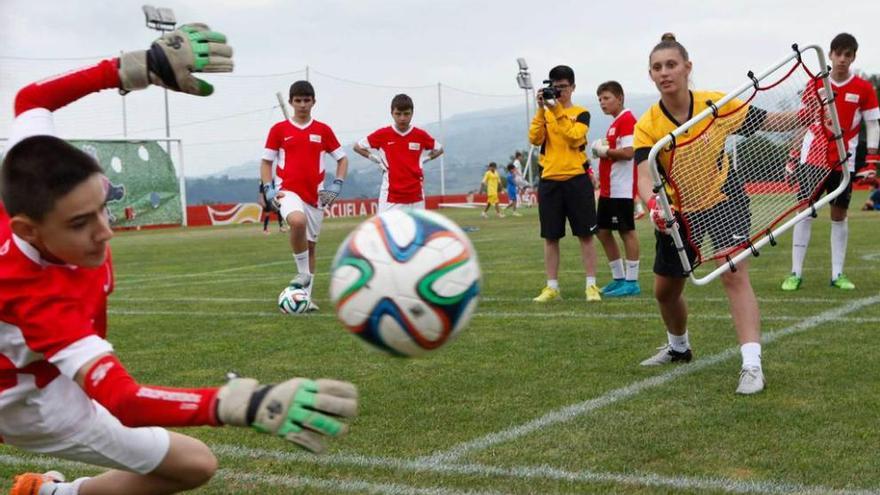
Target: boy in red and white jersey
(298, 145)
(63, 392)
(617, 186)
(401, 147)
(855, 101)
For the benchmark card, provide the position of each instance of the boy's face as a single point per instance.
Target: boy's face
(841, 60)
(610, 104)
(402, 118)
(76, 231)
(566, 88)
(302, 106)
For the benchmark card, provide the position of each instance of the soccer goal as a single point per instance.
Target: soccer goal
(748, 167)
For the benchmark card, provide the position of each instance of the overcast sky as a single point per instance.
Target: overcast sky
(360, 53)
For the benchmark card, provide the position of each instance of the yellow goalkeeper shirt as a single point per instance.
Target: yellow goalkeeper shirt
(562, 135)
(697, 169)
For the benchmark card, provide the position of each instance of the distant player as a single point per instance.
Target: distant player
(491, 182)
(63, 391)
(268, 210)
(402, 150)
(617, 185)
(298, 188)
(856, 102)
(512, 198)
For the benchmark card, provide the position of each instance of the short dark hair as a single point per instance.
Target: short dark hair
(843, 42)
(612, 87)
(511, 166)
(492, 164)
(518, 153)
(302, 88)
(401, 102)
(40, 170)
(561, 72)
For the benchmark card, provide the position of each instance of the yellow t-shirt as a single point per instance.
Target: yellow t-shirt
(491, 180)
(697, 170)
(562, 135)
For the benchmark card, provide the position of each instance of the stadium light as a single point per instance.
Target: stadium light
(524, 80)
(162, 19)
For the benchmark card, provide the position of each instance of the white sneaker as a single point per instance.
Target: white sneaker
(301, 281)
(751, 380)
(668, 355)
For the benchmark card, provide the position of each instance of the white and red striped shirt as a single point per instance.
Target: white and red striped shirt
(855, 101)
(299, 150)
(618, 178)
(403, 154)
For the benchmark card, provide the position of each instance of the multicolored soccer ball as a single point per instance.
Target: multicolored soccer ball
(293, 301)
(406, 281)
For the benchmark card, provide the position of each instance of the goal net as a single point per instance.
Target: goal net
(750, 165)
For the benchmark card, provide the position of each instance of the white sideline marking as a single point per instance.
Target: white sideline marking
(573, 411)
(228, 475)
(479, 314)
(537, 472)
(608, 301)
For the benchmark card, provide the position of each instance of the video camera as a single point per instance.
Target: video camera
(549, 92)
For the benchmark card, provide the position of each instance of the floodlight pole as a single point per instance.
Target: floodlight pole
(524, 80)
(162, 20)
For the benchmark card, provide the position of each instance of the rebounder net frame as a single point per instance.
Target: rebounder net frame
(728, 210)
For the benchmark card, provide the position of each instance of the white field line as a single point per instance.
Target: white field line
(231, 477)
(588, 316)
(574, 411)
(537, 473)
(607, 301)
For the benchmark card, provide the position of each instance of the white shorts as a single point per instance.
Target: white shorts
(98, 438)
(386, 206)
(291, 202)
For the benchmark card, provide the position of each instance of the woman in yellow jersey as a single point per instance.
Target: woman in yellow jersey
(713, 204)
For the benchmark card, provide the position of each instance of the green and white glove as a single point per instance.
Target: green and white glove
(300, 410)
(173, 58)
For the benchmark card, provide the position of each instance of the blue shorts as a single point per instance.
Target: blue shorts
(511, 193)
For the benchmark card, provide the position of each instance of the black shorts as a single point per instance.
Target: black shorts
(829, 184)
(572, 199)
(727, 224)
(616, 214)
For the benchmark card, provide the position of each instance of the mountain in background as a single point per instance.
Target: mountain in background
(471, 141)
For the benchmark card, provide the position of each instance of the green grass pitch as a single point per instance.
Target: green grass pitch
(530, 398)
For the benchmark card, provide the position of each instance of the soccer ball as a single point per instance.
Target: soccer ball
(405, 281)
(293, 301)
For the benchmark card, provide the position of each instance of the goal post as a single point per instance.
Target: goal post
(727, 190)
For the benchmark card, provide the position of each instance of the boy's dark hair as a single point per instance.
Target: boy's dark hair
(518, 153)
(40, 170)
(401, 102)
(843, 42)
(511, 166)
(302, 88)
(561, 72)
(612, 87)
(492, 165)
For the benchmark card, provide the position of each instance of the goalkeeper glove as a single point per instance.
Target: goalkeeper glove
(379, 161)
(599, 148)
(173, 57)
(657, 216)
(329, 195)
(270, 194)
(299, 410)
